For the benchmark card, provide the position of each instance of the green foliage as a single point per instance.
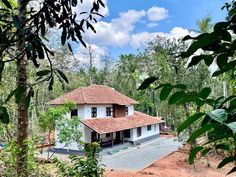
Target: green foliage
(146, 83)
(219, 122)
(67, 128)
(8, 161)
(89, 166)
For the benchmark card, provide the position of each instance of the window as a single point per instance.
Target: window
(108, 135)
(139, 131)
(126, 110)
(149, 127)
(127, 133)
(108, 111)
(94, 112)
(74, 112)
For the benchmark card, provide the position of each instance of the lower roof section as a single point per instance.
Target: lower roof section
(109, 125)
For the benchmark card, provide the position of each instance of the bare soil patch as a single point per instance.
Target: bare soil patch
(176, 165)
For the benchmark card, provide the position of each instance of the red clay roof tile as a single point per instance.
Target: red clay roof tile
(108, 125)
(94, 94)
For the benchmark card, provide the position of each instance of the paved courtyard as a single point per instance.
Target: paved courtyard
(131, 157)
(138, 157)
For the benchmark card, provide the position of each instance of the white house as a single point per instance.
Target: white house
(108, 117)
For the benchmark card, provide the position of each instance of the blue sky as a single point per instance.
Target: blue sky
(129, 24)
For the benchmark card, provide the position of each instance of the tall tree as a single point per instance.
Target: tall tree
(23, 30)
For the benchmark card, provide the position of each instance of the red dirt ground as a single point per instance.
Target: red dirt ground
(176, 165)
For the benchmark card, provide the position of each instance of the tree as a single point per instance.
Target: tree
(205, 25)
(219, 122)
(22, 33)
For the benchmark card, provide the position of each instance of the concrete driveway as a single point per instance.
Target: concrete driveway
(138, 157)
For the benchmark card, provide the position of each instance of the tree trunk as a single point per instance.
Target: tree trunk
(49, 142)
(22, 115)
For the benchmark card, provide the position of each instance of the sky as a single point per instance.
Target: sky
(128, 24)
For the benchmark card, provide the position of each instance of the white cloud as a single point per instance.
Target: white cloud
(151, 25)
(83, 54)
(117, 32)
(139, 39)
(127, 20)
(156, 13)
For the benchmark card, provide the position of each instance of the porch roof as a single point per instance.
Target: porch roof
(109, 125)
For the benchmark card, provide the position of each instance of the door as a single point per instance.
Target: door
(93, 136)
(118, 137)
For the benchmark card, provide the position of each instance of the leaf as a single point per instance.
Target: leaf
(146, 83)
(205, 92)
(70, 48)
(189, 121)
(63, 76)
(63, 36)
(223, 146)
(50, 85)
(199, 102)
(203, 40)
(159, 86)
(101, 2)
(188, 97)
(219, 115)
(180, 86)
(193, 154)
(16, 22)
(19, 93)
(7, 4)
(200, 131)
(226, 161)
(90, 26)
(205, 151)
(176, 97)
(225, 68)
(221, 60)
(195, 60)
(165, 91)
(40, 51)
(232, 170)
(43, 72)
(232, 126)
(228, 99)
(4, 116)
(74, 3)
(11, 95)
(28, 97)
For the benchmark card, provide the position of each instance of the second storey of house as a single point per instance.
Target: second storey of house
(97, 101)
(101, 111)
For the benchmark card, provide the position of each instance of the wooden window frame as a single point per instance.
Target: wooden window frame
(109, 111)
(74, 113)
(94, 112)
(127, 133)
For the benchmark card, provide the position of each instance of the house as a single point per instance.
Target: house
(108, 117)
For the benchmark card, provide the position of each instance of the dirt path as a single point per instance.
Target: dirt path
(175, 165)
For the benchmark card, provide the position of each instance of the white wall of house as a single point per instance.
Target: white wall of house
(84, 112)
(81, 113)
(131, 136)
(101, 111)
(145, 133)
(87, 134)
(130, 109)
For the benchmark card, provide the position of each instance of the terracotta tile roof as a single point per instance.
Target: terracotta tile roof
(108, 125)
(94, 94)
